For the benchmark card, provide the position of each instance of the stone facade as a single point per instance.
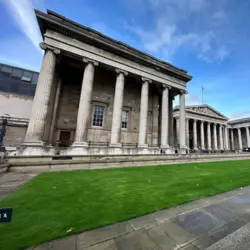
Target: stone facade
(98, 96)
(208, 129)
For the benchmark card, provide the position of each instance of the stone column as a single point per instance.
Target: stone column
(171, 121)
(202, 136)
(39, 110)
(58, 90)
(209, 147)
(84, 105)
(232, 138)
(226, 138)
(221, 138)
(187, 133)
(215, 138)
(117, 109)
(165, 118)
(182, 123)
(142, 143)
(248, 137)
(155, 134)
(195, 134)
(240, 139)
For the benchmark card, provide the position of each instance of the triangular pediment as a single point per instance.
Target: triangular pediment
(205, 110)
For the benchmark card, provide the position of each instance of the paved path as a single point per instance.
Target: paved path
(193, 226)
(9, 182)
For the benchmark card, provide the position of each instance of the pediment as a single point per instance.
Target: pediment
(205, 110)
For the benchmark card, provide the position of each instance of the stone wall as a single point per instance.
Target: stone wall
(15, 135)
(15, 105)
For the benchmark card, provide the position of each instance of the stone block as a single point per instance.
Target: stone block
(102, 234)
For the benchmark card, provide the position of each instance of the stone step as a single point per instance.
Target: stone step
(239, 239)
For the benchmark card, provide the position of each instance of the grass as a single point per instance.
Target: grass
(46, 207)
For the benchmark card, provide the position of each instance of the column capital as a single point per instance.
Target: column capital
(165, 86)
(87, 60)
(144, 79)
(44, 46)
(120, 71)
(201, 121)
(183, 91)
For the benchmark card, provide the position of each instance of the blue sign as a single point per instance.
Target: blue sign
(5, 214)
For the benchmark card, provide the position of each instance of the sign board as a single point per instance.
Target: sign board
(5, 214)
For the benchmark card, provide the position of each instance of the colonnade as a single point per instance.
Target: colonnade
(39, 112)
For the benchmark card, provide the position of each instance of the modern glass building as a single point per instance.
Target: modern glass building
(17, 80)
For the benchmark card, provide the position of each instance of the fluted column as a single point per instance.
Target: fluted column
(187, 133)
(209, 137)
(221, 137)
(84, 104)
(248, 137)
(143, 114)
(195, 135)
(117, 109)
(240, 139)
(226, 138)
(171, 121)
(40, 105)
(215, 138)
(165, 117)
(202, 136)
(182, 123)
(232, 138)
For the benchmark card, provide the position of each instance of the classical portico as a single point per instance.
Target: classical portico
(206, 128)
(97, 96)
(239, 134)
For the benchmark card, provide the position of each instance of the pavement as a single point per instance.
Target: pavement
(220, 222)
(9, 182)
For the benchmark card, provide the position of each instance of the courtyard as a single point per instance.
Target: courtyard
(59, 204)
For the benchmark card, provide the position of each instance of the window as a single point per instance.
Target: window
(125, 119)
(16, 74)
(5, 72)
(98, 116)
(34, 78)
(26, 76)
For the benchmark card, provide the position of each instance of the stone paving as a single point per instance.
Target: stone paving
(9, 182)
(193, 226)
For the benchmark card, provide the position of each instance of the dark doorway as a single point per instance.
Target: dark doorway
(64, 139)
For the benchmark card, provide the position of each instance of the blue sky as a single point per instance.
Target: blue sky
(209, 38)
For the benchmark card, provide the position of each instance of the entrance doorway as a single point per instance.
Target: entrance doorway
(64, 140)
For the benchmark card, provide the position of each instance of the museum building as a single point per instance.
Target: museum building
(95, 95)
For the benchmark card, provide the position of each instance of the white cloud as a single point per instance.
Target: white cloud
(240, 114)
(189, 24)
(22, 13)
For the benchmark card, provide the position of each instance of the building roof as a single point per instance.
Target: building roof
(237, 121)
(61, 24)
(203, 109)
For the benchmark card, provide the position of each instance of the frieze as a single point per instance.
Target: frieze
(205, 111)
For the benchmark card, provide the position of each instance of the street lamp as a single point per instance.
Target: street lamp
(4, 119)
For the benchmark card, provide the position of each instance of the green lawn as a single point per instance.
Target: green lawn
(48, 206)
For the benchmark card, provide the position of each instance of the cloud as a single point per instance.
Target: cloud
(194, 25)
(240, 114)
(23, 15)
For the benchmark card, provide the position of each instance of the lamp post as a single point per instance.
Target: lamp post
(4, 119)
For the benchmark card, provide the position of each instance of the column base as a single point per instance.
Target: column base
(35, 149)
(182, 150)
